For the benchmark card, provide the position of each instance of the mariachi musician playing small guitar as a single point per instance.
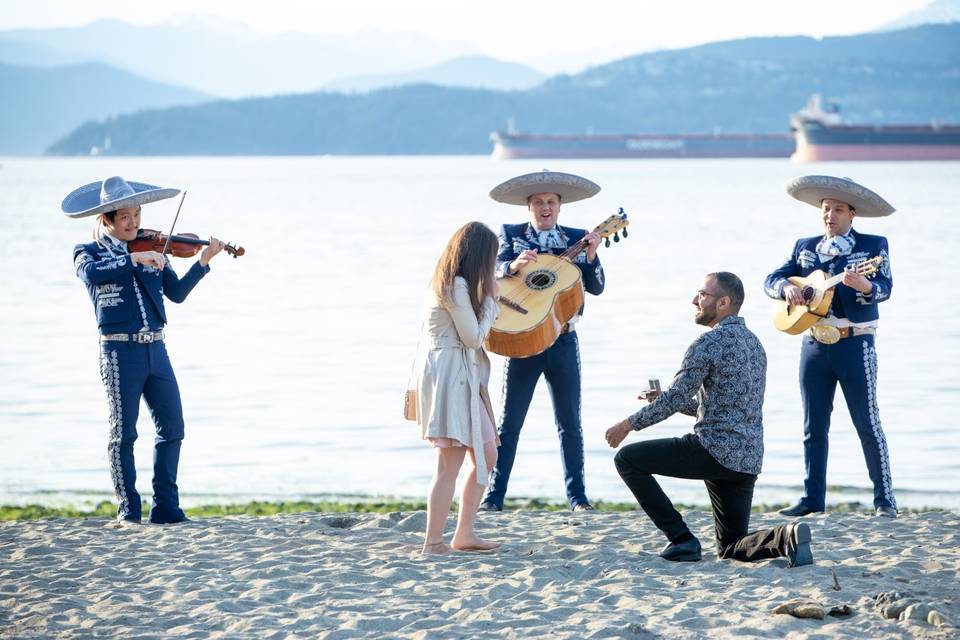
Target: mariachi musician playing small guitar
(840, 348)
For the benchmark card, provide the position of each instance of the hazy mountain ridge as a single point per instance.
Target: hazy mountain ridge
(230, 60)
(939, 11)
(475, 72)
(751, 85)
(51, 102)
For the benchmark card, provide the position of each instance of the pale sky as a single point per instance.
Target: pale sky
(532, 31)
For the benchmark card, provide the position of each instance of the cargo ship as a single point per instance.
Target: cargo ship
(511, 145)
(822, 136)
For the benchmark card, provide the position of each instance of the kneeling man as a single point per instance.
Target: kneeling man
(721, 382)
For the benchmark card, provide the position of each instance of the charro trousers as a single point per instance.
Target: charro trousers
(560, 365)
(853, 363)
(129, 371)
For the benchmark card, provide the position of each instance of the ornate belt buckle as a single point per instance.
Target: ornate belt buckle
(145, 337)
(825, 333)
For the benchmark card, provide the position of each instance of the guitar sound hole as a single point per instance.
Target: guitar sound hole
(808, 293)
(540, 279)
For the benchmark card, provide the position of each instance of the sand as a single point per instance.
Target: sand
(558, 575)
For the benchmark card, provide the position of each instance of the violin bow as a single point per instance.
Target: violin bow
(174, 224)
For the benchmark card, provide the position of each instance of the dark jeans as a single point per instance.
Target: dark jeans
(731, 494)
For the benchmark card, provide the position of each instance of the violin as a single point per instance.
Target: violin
(184, 245)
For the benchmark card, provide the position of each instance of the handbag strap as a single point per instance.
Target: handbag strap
(416, 357)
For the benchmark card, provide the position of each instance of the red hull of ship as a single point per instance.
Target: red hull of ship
(501, 153)
(855, 152)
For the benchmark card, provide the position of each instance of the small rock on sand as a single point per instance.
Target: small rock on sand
(916, 612)
(801, 609)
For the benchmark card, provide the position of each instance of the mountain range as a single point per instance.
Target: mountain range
(748, 85)
(936, 12)
(42, 105)
(478, 72)
(57, 79)
(226, 59)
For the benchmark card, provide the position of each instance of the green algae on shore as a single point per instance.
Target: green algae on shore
(265, 508)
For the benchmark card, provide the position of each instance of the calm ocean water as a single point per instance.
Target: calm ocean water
(292, 360)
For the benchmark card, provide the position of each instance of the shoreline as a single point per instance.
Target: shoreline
(107, 508)
(558, 574)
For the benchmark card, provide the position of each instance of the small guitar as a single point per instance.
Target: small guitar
(541, 296)
(818, 295)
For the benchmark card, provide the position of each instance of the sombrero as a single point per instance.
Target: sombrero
(569, 187)
(111, 194)
(813, 189)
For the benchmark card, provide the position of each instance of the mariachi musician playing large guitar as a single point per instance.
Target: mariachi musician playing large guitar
(537, 257)
(823, 287)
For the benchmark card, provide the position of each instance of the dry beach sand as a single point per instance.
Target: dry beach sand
(558, 575)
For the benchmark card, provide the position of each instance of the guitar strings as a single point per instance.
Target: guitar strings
(526, 291)
(571, 253)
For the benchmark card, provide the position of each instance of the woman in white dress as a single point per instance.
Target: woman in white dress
(453, 405)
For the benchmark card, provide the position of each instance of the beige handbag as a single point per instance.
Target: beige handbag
(410, 405)
(410, 397)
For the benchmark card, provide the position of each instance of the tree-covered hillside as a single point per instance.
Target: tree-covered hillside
(750, 85)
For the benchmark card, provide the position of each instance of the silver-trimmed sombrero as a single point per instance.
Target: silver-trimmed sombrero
(111, 194)
(569, 187)
(813, 189)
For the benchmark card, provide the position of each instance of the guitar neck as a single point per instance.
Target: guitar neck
(866, 268)
(832, 282)
(574, 250)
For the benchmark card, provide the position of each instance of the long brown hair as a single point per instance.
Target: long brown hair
(471, 254)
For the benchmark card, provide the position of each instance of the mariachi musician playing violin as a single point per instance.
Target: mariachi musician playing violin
(126, 286)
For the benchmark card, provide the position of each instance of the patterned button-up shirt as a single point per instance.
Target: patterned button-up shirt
(721, 382)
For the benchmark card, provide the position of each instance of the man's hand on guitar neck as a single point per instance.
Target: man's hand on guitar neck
(856, 281)
(593, 243)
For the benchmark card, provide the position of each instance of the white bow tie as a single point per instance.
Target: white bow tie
(550, 239)
(835, 246)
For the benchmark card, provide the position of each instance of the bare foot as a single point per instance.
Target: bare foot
(435, 549)
(473, 543)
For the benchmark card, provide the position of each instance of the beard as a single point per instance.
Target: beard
(705, 315)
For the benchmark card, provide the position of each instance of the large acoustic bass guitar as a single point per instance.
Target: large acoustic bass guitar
(817, 295)
(541, 296)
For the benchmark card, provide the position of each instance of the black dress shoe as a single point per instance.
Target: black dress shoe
(583, 506)
(887, 512)
(798, 545)
(489, 506)
(175, 517)
(688, 551)
(797, 510)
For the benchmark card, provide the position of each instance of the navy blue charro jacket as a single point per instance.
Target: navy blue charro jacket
(110, 278)
(847, 302)
(517, 238)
